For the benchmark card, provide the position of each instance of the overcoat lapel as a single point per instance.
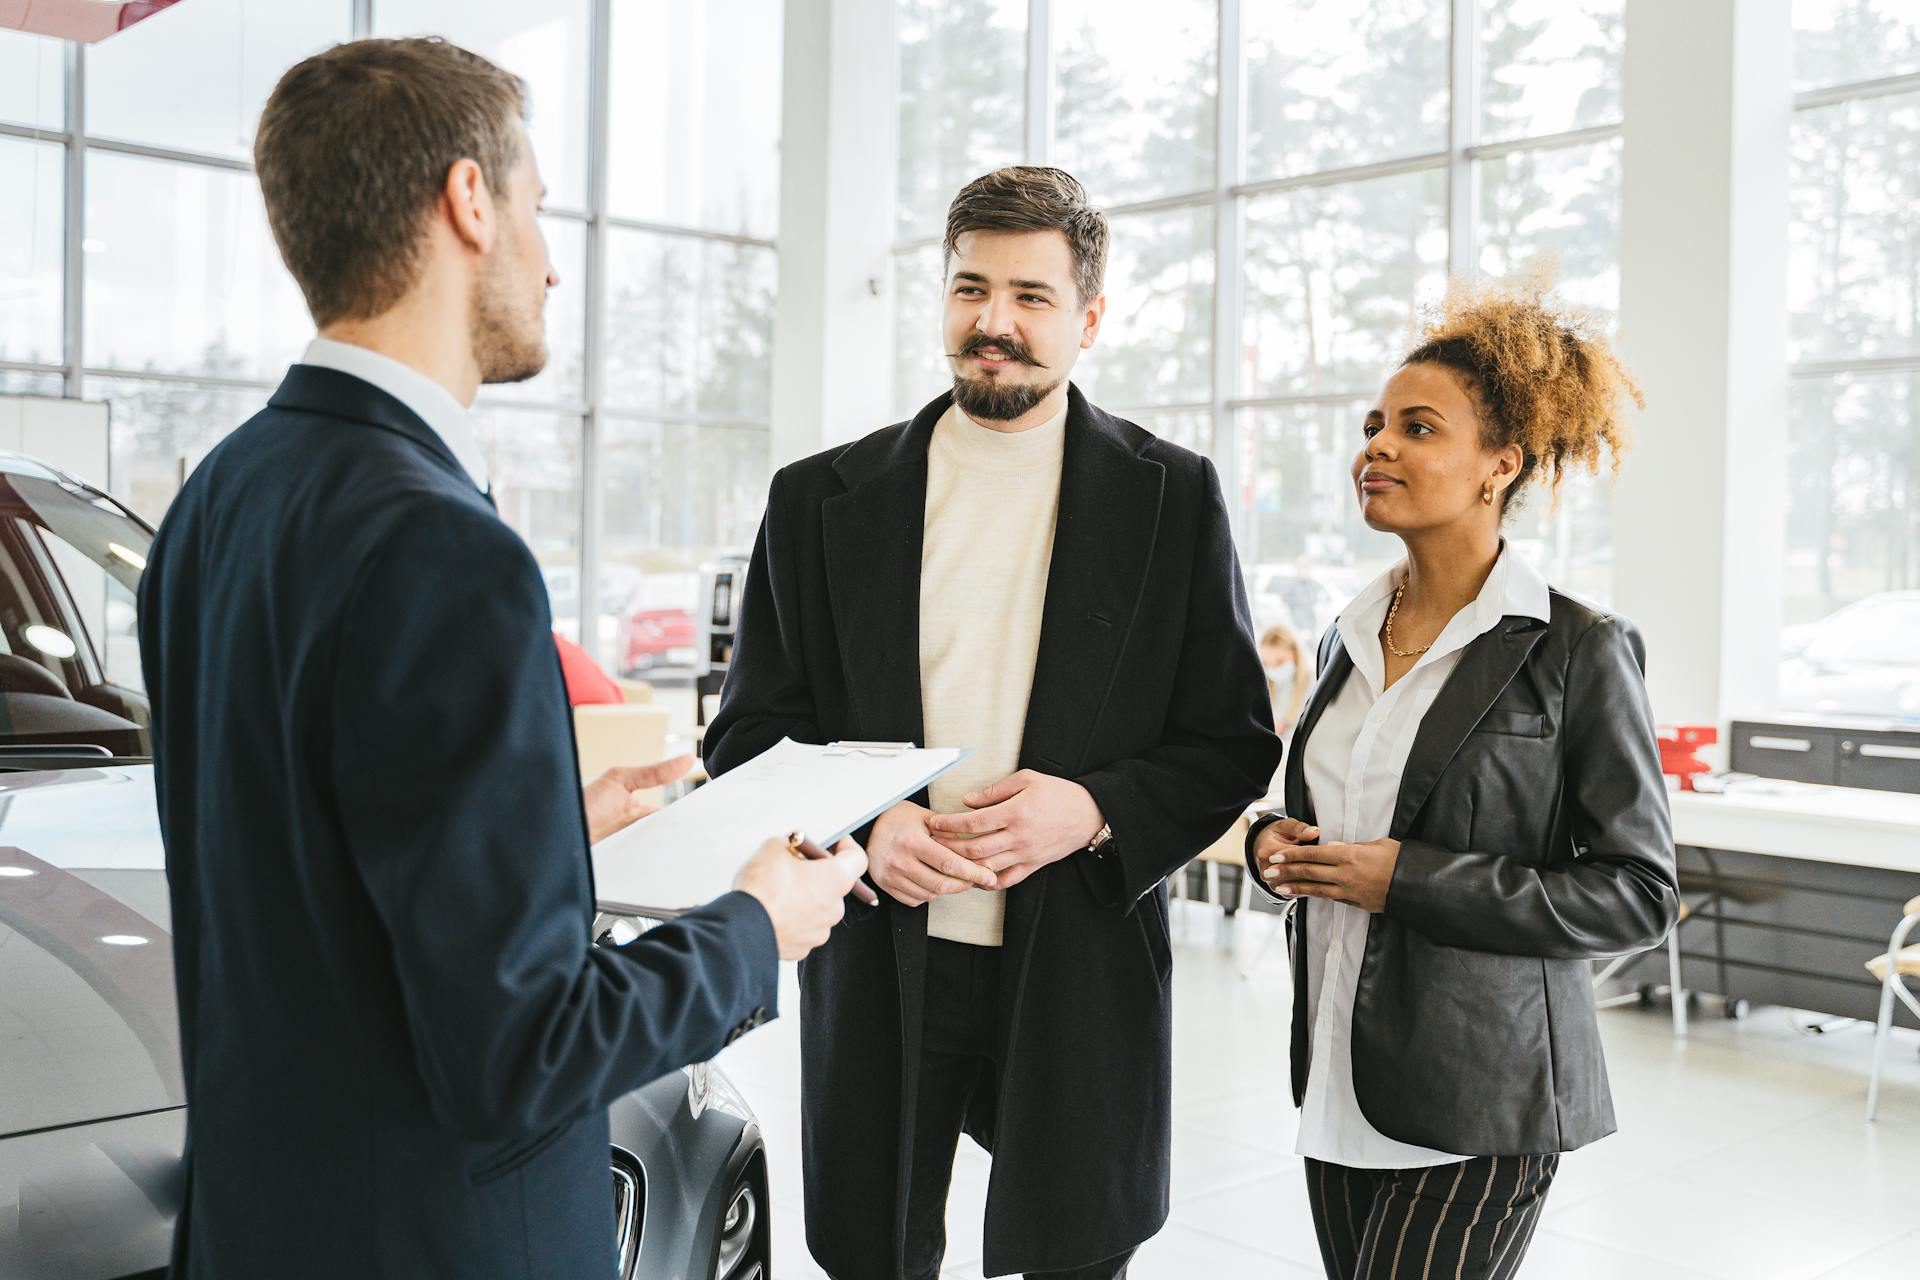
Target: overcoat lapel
(873, 534)
(1102, 546)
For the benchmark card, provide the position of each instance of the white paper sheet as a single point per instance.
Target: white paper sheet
(688, 853)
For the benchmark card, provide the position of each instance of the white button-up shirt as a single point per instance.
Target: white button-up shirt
(1354, 760)
(433, 403)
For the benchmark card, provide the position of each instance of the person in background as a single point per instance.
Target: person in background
(398, 1044)
(1289, 676)
(1473, 810)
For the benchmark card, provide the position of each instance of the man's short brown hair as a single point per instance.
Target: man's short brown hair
(353, 151)
(1031, 197)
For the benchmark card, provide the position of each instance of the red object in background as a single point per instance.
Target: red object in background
(135, 10)
(652, 634)
(1679, 745)
(586, 682)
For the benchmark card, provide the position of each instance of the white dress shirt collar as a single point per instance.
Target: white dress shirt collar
(433, 403)
(1514, 589)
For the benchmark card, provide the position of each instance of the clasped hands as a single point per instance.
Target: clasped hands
(1294, 867)
(1014, 827)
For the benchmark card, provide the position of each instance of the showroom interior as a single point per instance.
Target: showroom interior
(746, 211)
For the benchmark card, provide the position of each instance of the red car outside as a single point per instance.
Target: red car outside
(659, 629)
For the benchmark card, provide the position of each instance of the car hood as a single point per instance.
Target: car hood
(88, 1029)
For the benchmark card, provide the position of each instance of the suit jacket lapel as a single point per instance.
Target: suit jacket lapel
(1103, 545)
(1486, 667)
(873, 534)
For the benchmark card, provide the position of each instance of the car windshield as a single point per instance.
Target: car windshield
(70, 565)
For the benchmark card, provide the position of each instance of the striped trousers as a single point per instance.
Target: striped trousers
(1467, 1221)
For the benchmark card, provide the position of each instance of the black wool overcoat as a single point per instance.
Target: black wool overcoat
(1147, 690)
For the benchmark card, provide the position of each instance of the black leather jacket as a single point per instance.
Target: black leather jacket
(1535, 835)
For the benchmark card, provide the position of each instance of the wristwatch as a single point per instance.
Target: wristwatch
(1101, 838)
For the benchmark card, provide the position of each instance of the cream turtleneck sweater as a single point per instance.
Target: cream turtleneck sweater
(992, 500)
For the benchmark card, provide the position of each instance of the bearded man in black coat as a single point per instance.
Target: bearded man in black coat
(1013, 571)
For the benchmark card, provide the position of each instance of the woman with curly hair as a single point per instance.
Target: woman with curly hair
(1474, 809)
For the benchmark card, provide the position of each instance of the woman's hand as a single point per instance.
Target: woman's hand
(1275, 841)
(1356, 874)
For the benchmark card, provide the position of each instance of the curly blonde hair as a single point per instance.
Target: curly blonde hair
(1543, 372)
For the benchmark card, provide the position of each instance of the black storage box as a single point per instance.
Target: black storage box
(1878, 755)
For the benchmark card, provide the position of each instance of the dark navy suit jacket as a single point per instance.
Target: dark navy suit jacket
(399, 1045)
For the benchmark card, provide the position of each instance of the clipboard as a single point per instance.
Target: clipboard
(688, 853)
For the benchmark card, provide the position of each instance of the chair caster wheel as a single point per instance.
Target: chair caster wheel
(1737, 1010)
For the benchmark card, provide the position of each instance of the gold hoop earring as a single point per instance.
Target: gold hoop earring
(1486, 494)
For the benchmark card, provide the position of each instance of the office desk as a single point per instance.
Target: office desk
(1839, 825)
(1791, 894)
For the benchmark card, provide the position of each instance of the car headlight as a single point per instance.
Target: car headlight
(699, 1087)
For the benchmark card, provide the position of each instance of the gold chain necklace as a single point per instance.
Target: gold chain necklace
(1392, 648)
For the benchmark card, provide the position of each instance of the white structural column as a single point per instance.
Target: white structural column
(1699, 514)
(833, 327)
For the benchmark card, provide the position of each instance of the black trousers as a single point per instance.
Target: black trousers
(1468, 1221)
(961, 1055)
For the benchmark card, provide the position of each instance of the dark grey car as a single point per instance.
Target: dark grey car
(92, 1110)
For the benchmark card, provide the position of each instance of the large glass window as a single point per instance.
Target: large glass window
(189, 319)
(1133, 101)
(1266, 359)
(182, 275)
(1853, 513)
(1851, 41)
(194, 78)
(1333, 276)
(32, 80)
(695, 115)
(687, 329)
(920, 370)
(19, 382)
(1548, 66)
(546, 46)
(1855, 264)
(962, 101)
(689, 325)
(1316, 95)
(1160, 299)
(32, 241)
(678, 495)
(1558, 203)
(159, 431)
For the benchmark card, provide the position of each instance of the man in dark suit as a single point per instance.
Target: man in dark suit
(1018, 572)
(398, 1043)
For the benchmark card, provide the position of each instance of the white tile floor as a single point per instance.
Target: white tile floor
(1742, 1150)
